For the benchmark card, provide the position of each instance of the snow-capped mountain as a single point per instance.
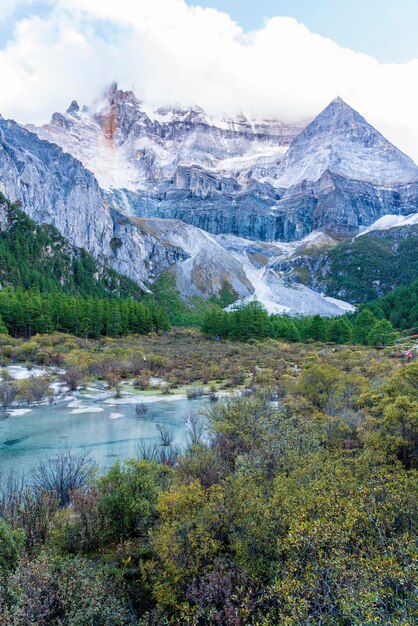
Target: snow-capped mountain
(341, 142)
(216, 200)
(257, 180)
(341, 175)
(54, 188)
(129, 147)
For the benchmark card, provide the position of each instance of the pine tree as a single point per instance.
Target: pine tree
(292, 333)
(339, 331)
(382, 334)
(3, 327)
(317, 329)
(362, 325)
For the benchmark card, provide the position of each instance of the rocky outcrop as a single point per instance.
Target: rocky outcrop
(135, 244)
(262, 181)
(54, 188)
(341, 206)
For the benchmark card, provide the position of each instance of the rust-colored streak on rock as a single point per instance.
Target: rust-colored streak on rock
(109, 123)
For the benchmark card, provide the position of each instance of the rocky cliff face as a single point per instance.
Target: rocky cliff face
(51, 260)
(54, 188)
(263, 181)
(215, 200)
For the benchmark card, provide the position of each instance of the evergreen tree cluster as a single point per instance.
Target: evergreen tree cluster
(25, 313)
(368, 267)
(400, 307)
(48, 285)
(37, 257)
(252, 321)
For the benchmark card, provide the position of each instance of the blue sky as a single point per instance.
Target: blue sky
(385, 29)
(12, 11)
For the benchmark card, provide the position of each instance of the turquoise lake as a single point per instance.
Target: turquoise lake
(109, 429)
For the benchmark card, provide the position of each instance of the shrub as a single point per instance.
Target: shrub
(193, 393)
(48, 592)
(61, 474)
(11, 546)
(141, 409)
(73, 377)
(35, 389)
(8, 392)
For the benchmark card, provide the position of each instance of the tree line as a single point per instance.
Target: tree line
(400, 307)
(251, 321)
(26, 313)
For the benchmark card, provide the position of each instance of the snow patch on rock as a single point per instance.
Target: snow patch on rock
(391, 221)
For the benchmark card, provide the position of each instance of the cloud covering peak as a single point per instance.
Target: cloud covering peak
(171, 53)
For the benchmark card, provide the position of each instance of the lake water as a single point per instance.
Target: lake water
(107, 427)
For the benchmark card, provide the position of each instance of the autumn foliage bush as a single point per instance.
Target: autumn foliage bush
(297, 506)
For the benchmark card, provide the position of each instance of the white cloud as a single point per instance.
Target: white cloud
(8, 7)
(171, 53)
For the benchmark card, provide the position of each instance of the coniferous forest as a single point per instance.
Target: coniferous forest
(26, 313)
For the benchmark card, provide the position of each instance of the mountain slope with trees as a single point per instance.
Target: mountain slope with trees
(361, 269)
(35, 256)
(49, 285)
(371, 266)
(400, 307)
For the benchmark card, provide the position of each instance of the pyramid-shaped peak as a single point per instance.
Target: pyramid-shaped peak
(340, 141)
(338, 100)
(340, 110)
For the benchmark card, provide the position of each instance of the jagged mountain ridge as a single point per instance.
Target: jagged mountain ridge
(54, 188)
(264, 181)
(222, 178)
(129, 147)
